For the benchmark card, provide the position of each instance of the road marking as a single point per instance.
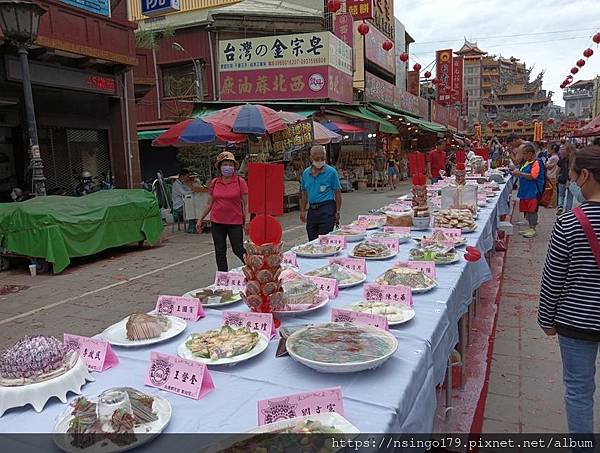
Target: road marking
(114, 285)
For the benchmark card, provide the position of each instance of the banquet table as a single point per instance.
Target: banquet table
(398, 397)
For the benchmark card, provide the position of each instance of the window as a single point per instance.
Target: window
(180, 81)
(572, 105)
(469, 80)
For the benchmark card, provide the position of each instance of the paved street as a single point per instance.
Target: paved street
(96, 292)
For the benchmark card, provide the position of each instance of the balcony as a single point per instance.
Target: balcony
(577, 94)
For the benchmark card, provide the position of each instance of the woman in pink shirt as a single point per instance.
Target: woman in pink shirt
(228, 207)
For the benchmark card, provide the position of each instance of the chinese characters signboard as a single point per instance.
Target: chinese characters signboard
(440, 113)
(457, 79)
(413, 83)
(444, 75)
(101, 7)
(303, 66)
(342, 28)
(383, 16)
(360, 9)
(375, 53)
(410, 103)
(378, 90)
(294, 137)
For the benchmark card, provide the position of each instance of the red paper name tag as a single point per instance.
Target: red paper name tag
(455, 233)
(98, 354)
(300, 404)
(396, 294)
(331, 239)
(235, 280)
(329, 285)
(404, 231)
(290, 258)
(341, 315)
(427, 267)
(390, 243)
(355, 264)
(180, 376)
(257, 322)
(188, 308)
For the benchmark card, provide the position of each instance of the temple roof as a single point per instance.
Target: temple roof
(470, 48)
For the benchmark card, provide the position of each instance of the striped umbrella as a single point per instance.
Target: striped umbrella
(196, 132)
(248, 119)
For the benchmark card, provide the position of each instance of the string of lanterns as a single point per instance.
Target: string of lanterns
(520, 123)
(587, 53)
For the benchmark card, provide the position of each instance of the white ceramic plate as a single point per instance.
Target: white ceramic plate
(324, 301)
(237, 296)
(414, 290)
(298, 252)
(401, 239)
(361, 278)
(263, 343)
(117, 333)
(351, 237)
(460, 243)
(455, 260)
(147, 432)
(469, 230)
(373, 258)
(407, 312)
(326, 418)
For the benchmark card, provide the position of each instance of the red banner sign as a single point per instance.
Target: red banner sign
(440, 113)
(444, 75)
(342, 28)
(378, 90)
(409, 103)
(457, 79)
(360, 9)
(413, 83)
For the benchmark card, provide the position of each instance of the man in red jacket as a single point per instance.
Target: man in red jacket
(436, 161)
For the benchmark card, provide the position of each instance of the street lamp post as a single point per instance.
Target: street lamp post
(199, 87)
(19, 21)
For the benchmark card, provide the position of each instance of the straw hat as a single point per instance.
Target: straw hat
(226, 155)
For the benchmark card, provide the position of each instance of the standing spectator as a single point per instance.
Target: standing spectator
(403, 166)
(570, 294)
(228, 206)
(563, 148)
(565, 196)
(320, 194)
(391, 170)
(436, 161)
(181, 187)
(513, 143)
(379, 170)
(529, 190)
(552, 171)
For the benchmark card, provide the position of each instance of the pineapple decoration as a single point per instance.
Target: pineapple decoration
(263, 250)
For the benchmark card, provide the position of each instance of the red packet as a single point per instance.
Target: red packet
(355, 317)
(354, 264)
(180, 376)
(455, 233)
(404, 231)
(300, 404)
(98, 354)
(390, 243)
(290, 258)
(329, 285)
(427, 267)
(397, 294)
(257, 322)
(188, 308)
(331, 239)
(236, 280)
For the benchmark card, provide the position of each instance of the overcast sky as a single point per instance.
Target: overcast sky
(552, 34)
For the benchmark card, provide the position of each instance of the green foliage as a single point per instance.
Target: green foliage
(198, 159)
(151, 39)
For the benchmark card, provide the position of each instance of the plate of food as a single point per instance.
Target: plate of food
(406, 276)
(215, 296)
(370, 224)
(351, 234)
(300, 295)
(437, 253)
(455, 218)
(316, 250)
(223, 346)
(319, 301)
(345, 277)
(394, 313)
(370, 250)
(117, 420)
(323, 423)
(142, 329)
(439, 237)
(402, 238)
(340, 347)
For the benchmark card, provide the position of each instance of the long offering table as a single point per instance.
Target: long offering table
(398, 397)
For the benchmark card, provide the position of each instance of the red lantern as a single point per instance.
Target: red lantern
(504, 124)
(562, 86)
(587, 53)
(387, 45)
(569, 78)
(490, 125)
(434, 81)
(333, 6)
(417, 67)
(574, 70)
(363, 29)
(404, 57)
(550, 121)
(596, 38)
(520, 123)
(427, 74)
(580, 63)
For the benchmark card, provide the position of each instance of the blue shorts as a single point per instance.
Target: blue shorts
(392, 171)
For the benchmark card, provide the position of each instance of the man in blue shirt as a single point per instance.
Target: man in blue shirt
(321, 195)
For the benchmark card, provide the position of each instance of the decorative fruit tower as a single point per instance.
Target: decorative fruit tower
(419, 187)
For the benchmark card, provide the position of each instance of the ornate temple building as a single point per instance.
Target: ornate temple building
(501, 90)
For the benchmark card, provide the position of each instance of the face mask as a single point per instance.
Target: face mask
(227, 170)
(13, 195)
(318, 164)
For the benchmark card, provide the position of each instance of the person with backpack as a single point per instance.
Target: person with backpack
(531, 187)
(570, 294)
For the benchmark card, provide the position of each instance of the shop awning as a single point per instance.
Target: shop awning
(363, 113)
(423, 124)
(150, 135)
(346, 128)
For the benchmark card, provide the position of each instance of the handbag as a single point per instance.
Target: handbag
(546, 198)
(588, 229)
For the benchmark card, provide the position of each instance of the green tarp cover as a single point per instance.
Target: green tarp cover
(365, 114)
(150, 135)
(423, 124)
(58, 228)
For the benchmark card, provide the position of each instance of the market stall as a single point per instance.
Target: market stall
(397, 397)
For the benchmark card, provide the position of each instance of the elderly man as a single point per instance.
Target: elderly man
(321, 195)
